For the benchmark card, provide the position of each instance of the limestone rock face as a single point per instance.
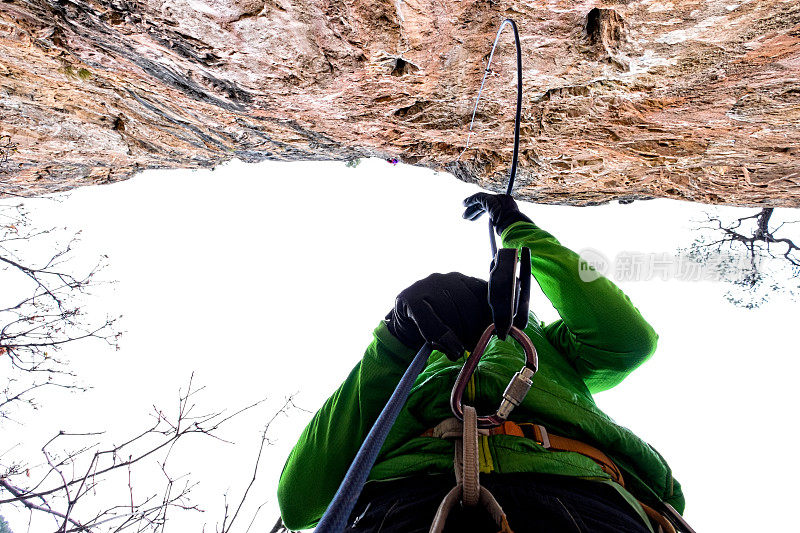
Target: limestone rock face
(689, 99)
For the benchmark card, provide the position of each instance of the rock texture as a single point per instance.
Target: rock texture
(689, 99)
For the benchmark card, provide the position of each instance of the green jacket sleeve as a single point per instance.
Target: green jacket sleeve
(600, 331)
(327, 446)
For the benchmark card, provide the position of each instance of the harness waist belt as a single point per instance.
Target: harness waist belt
(540, 435)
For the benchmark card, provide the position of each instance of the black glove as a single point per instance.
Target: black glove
(502, 209)
(450, 311)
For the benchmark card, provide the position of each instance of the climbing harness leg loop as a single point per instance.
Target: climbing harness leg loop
(662, 525)
(487, 501)
(449, 501)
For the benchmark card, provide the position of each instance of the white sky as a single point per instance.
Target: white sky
(266, 280)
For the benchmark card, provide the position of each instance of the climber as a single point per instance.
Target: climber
(560, 465)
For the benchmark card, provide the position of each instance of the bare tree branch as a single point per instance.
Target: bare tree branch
(83, 483)
(35, 326)
(287, 405)
(744, 252)
(64, 482)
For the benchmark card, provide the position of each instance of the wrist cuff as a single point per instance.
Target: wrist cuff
(508, 220)
(391, 343)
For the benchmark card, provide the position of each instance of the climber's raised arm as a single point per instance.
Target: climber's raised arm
(600, 331)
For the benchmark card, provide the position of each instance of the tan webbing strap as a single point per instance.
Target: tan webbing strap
(486, 499)
(471, 464)
(449, 428)
(444, 509)
(467, 467)
(491, 505)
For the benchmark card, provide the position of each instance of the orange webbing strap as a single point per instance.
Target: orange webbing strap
(452, 427)
(539, 434)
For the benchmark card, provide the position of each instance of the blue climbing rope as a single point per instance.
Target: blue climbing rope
(335, 518)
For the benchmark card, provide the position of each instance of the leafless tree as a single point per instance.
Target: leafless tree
(750, 255)
(41, 310)
(82, 482)
(228, 519)
(99, 477)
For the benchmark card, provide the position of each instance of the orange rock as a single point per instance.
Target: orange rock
(685, 99)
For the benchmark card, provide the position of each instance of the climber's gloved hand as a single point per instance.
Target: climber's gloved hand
(450, 311)
(502, 209)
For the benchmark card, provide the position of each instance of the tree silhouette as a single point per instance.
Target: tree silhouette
(41, 313)
(41, 310)
(750, 255)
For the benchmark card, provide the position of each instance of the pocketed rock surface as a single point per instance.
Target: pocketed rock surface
(693, 100)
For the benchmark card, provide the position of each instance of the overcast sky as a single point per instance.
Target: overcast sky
(267, 280)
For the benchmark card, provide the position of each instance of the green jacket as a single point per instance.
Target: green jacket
(600, 338)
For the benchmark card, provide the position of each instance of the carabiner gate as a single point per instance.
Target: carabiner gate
(517, 388)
